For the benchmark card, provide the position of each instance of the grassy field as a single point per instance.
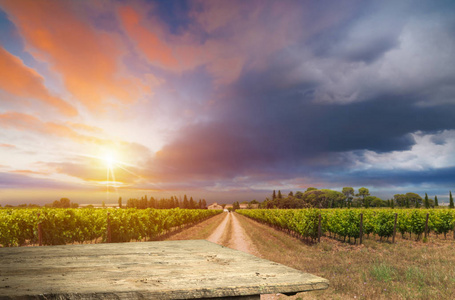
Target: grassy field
(374, 270)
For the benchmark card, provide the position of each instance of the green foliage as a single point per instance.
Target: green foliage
(63, 203)
(345, 223)
(407, 200)
(427, 201)
(383, 224)
(441, 221)
(64, 226)
(383, 272)
(301, 221)
(417, 222)
(451, 205)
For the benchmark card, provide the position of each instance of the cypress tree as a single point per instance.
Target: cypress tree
(186, 204)
(451, 200)
(392, 203)
(279, 194)
(274, 195)
(427, 201)
(436, 201)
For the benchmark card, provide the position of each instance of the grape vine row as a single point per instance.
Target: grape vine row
(64, 226)
(345, 223)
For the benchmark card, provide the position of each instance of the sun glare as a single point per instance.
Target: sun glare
(109, 160)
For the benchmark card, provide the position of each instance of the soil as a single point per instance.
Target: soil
(238, 240)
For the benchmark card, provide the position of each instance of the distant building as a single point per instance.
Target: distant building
(244, 206)
(215, 206)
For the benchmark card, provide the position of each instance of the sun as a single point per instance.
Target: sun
(109, 160)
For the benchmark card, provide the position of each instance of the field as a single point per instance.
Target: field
(407, 269)
(411, 268)
(55, 226)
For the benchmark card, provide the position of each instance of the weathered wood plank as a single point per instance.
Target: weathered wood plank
(153, 270)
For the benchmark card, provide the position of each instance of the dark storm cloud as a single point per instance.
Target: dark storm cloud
(367, 36)
(367, 83)
(386, 183)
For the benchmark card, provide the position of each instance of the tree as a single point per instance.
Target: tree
(436, 201)
(311, 189)
(414, 199)
(192, 203)
(274, 195)
(120, 202)
(320, 199)
(299, 195)
(426, 202)
(374, 201)
(279, 195)
(451, 200)
(103, 204)
(62, 203)
(348, 192)
(400, 200)
(186, 204)
(363, 192)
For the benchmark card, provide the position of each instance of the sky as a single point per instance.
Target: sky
(225, 100)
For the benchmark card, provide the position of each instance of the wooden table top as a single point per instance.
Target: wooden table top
(153, 270)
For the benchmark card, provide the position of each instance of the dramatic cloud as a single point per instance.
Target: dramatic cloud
(87, 59)
(19, 80)
(228, 98)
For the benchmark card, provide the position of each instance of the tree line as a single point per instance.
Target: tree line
(325, 198)
(164, 203)
(62, 203)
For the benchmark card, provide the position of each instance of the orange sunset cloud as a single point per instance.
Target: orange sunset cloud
(87, 59)
(156, 51)
(20, 80)
(26, 122)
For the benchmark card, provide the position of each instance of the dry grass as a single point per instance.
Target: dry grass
(200, 231)
(374, 270)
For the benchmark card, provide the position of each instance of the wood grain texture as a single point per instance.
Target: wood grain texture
(153, 270)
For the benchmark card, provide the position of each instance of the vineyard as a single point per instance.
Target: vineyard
(56, 226)
(345, 223)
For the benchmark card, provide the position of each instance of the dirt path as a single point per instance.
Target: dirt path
(231, 234)
(215, 237)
